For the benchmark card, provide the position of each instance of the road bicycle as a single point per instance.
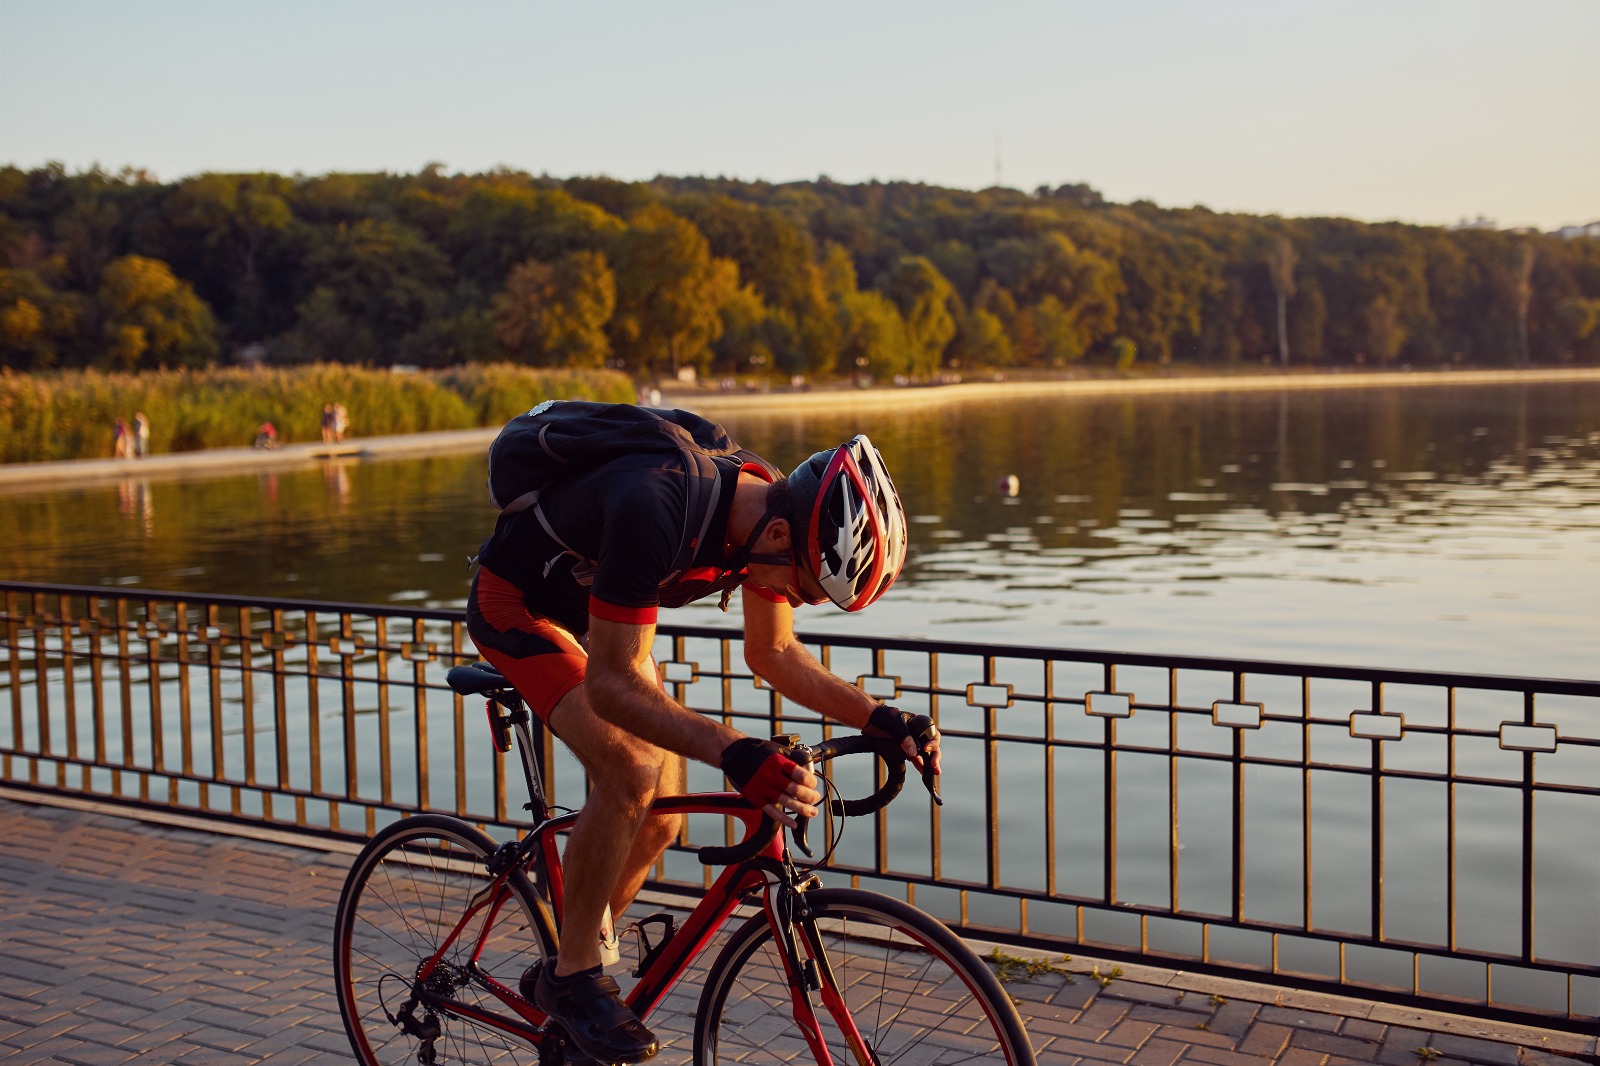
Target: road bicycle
(437, 922)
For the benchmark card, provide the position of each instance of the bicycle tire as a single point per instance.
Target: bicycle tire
(915, 991)
(406, 889)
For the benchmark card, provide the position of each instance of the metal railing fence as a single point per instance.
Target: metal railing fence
(1421, 837)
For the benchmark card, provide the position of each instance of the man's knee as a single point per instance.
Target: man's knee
(661, 830)
(629, 776)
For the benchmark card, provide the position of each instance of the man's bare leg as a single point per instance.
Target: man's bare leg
(653, 838)
(625, 774)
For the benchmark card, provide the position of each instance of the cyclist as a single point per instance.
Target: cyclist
(565, 604)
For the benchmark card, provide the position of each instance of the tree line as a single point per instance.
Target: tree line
(121, 272)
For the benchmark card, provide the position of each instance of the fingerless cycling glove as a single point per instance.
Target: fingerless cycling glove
(897, 725)
(758, 769)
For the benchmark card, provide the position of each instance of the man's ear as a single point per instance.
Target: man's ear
(778, 531)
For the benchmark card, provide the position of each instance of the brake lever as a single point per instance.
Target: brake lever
(930, 782)
(798, 834)
(802, 755)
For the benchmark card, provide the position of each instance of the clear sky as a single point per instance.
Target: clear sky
(1421, 110)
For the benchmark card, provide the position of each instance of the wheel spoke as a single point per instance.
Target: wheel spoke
(916, 995)
(407, 892)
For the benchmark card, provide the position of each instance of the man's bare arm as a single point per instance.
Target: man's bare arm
(774, 653)
(623, 689)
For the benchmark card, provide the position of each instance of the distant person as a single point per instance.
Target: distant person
(341, 422)
(141, 435)
(119, 439)
(266, 436)
(327, 423)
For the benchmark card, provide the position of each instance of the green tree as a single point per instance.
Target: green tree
(150, 319)
(745, 344)
(670, 293)
(874, 339)
(1063, 337)
(224, 224)
(1074, 290)
(981, 341)
(1578, 322)
(376, 284)
(1384, 332)
(504, 223)
(38, 325)
(555, 314)
(925, 301)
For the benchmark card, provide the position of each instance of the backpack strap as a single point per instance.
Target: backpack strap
(522, 503)
(703, 488)
(705, 481)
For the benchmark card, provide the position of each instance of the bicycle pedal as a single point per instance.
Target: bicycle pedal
(563, 1052)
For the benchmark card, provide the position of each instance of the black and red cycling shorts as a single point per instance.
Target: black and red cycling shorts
(537, 655)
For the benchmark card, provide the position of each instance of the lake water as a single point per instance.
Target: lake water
(1444, 527)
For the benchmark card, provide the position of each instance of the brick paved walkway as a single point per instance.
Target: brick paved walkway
(128, 942)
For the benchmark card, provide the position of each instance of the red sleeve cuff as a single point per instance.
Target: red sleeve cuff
(611, 612)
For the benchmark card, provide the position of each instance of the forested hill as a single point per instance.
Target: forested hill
(733, 278)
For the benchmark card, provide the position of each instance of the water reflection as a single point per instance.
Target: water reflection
(1454, 528)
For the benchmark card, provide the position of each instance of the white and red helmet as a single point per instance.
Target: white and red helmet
(852, 524)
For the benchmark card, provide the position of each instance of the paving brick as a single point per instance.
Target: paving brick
(1301, 1019)
(1400, 1044)
(1362, 1029)
(1301, 1057)
(1130, 1033)
(1193, 1034)
(1264, 1038)
(93, 1055)
(1103, 1013)
(1223, 1057)
(1048, 1057)
(1077, 995)
(1089, 1050)
(1158, 1053)
(1043, 1024)
(1473, 1050)
(1144, 1012)
(1234, 1017)
(1137, 993)
(1329, 1044)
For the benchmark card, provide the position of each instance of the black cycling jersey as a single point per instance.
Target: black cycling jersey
(607, 541)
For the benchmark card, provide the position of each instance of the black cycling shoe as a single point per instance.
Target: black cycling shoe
(591, 1010)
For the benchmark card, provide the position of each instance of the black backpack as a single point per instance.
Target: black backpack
(563, 438)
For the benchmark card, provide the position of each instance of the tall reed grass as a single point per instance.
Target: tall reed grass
(70, 414)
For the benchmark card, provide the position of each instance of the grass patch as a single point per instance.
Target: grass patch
(1010, 968)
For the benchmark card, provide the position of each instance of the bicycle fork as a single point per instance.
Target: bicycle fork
(794, 927)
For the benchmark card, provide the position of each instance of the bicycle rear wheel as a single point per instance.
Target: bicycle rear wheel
(406, 892)
(909, 986)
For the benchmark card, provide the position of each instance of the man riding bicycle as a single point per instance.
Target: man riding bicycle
(565, 604)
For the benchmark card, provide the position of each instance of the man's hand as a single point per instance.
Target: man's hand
(918, 736)
(770, 779)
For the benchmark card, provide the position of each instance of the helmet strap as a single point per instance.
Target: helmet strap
(770, 559)
(745, 555)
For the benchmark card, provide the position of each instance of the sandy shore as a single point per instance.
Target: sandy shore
(235, 460)
(734, 401)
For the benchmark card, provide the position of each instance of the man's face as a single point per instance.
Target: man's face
(793, 582)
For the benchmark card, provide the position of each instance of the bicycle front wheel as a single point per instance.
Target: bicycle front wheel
(408, 891)
(908, 991)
